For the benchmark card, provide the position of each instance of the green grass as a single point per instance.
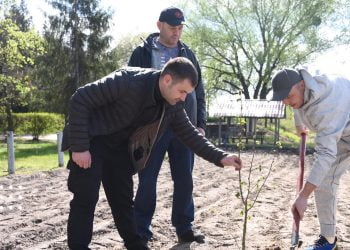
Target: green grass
(287, 131)
(288, 136)
(30, 157)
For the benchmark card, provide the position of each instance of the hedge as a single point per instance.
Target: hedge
(34, 124)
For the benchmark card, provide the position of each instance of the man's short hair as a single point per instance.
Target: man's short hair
(181, 68)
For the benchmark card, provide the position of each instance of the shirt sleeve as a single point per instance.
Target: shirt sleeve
(329, 126)
(83, 102)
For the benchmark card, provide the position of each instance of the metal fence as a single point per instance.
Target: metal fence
(11, 151)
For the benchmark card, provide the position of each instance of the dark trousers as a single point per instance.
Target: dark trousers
(113, 168)
(181, 164)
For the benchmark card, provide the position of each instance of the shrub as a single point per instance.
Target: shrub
(34, 124)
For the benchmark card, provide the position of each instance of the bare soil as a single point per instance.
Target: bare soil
(34, 209)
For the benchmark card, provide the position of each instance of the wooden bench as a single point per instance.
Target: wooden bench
(259, 135)
(233, 132)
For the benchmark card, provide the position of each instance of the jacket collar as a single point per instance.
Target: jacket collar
(154, 96)
(148, 43)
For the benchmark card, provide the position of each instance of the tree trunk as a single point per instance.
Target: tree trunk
(9, 118)
(245, 225)
(76, 47)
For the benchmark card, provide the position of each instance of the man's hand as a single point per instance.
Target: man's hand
(82, 159)
(201, 131)
(232, 160)
(300, 204)
(299, 207)
(302, 130)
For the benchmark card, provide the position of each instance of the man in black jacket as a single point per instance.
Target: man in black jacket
(110, 135)
(154, 53)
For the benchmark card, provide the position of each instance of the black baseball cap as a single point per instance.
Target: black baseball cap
(172, 16)
(283, 81)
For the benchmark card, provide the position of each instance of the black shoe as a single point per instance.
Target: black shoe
(145, 244)
(139, 245)
(190, 236)
(144, 241)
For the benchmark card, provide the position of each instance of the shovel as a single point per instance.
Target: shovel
(296, 242)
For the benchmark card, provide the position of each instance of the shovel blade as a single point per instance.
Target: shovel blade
(295, 239)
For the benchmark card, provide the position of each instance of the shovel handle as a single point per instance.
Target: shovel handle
(300, 182)
(302, 153)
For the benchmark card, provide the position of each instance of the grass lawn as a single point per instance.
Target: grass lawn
(33, 156)
(287, 130)
(30, 156)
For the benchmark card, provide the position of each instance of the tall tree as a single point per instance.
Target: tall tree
(241, 43)
(20, 16)
(119, 56)
(18, 50)
(5, 6)
(76, 43)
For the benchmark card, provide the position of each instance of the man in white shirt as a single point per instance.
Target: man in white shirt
(321, 103)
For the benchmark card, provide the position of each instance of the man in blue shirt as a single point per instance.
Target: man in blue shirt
(154, 52)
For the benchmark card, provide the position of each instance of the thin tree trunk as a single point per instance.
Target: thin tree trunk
(9, 118)
(76, 48)
(245, 224)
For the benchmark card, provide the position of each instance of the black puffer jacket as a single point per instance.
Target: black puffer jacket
(114, 104)
(195, 102)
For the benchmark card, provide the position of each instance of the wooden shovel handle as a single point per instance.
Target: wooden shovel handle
(302, 153)
(300, 182)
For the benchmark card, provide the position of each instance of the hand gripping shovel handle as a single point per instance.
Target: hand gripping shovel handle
(300, 182)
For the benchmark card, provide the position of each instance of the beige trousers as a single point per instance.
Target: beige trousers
(326, 193)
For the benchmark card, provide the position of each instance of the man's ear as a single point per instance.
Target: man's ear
(167, 79)
(159, 24)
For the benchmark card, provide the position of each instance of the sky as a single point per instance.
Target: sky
(136, 16)
(130, 16)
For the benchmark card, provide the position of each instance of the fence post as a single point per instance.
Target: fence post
(277, 130)
(10, 152)
(60, 153)
(220, 131)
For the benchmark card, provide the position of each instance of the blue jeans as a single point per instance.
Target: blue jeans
(181, 164)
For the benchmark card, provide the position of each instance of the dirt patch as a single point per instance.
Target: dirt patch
(34, 210)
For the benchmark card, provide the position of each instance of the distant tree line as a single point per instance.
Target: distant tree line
(240, 44)
(41, 72)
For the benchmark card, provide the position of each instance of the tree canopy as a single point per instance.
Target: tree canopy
(241, 43)
(18, 50)
(76, 44)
